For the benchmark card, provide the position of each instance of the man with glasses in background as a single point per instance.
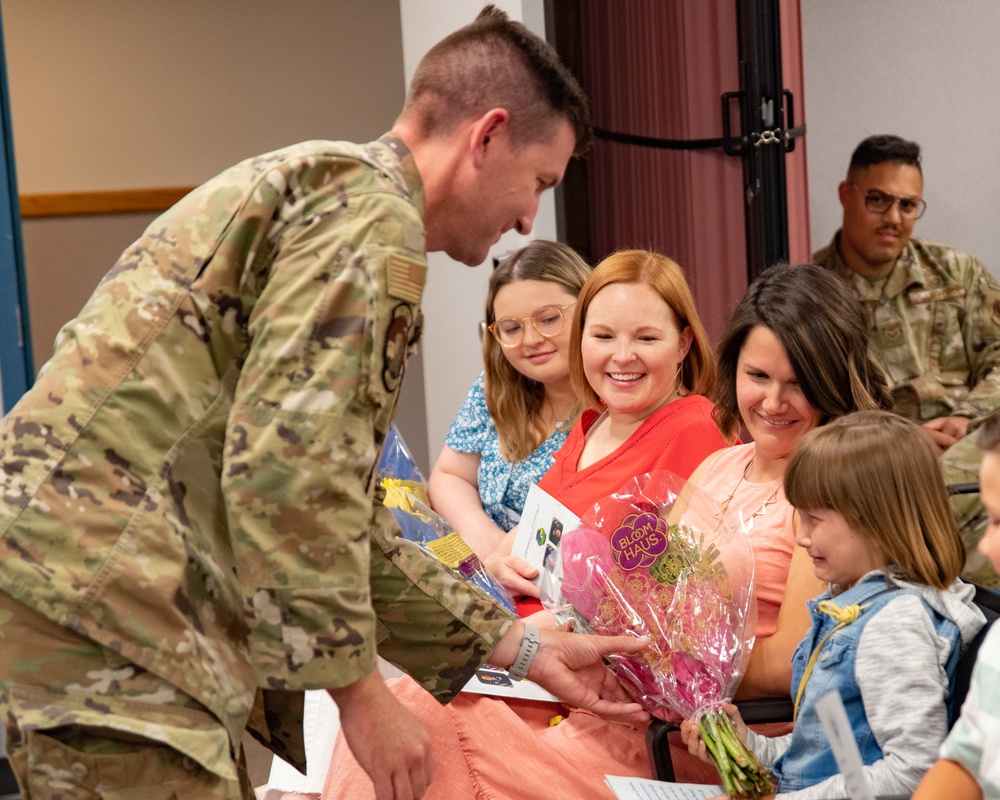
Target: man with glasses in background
(934, 311)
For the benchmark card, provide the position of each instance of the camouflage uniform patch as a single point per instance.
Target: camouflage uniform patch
(936, 334)
(396, 345)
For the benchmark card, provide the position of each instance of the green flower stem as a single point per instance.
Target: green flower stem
(742, 774)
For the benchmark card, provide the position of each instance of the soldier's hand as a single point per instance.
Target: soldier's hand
(571, 666)
(945, 431)
(388, 742)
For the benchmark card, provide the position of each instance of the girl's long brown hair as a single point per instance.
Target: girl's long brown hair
(882, 474)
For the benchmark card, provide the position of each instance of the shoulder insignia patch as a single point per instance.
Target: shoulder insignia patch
(397, 337)
(890, 336)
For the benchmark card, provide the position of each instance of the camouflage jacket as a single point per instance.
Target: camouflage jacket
(935, 329)
(190, 480)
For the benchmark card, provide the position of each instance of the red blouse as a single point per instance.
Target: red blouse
(677, 437)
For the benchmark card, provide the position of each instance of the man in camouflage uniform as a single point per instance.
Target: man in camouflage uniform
(190, 528)
(935, 315)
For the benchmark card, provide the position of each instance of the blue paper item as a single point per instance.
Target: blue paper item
(419, 523)
(397, 461)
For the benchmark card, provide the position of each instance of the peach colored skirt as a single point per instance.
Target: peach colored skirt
(491, 749)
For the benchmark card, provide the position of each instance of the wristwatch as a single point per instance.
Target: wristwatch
(526, 654)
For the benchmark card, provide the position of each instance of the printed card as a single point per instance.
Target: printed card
(540, 530)
(497, 683)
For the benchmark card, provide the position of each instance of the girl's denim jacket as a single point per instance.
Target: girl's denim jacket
(809, 758)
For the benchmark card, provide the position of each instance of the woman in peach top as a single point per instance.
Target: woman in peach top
(795, 355)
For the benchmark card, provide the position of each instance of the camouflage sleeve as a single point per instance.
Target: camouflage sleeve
(436, 628)
(299, 455)
(982, 342)
(318, 382)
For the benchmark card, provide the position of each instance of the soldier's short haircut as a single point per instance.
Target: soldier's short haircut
(495, 62)
(885, 148)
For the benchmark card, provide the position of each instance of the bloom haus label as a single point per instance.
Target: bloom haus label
(638, 541)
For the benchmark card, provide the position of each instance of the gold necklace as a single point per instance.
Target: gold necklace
(748, 522)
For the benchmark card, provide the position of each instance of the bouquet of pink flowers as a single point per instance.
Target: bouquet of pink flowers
(656, 559)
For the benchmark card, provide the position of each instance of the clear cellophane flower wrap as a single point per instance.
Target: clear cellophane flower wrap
(405, 494)
(656, 559)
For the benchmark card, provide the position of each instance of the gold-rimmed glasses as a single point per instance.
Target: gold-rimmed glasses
(878, 202)
(547, 321)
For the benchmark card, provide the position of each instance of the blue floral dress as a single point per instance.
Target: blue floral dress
(503, 486)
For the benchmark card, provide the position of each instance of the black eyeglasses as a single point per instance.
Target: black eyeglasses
(547, 321)
(878, 202)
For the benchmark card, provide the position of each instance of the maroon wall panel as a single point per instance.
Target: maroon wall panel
(658, 68)
(796, 179)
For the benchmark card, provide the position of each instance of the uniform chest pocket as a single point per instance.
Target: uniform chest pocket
(833, 659)
(946, 340)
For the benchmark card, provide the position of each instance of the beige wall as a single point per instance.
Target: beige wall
(125, 94)
(921, 69)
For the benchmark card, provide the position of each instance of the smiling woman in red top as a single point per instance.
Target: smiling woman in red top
(643, 369)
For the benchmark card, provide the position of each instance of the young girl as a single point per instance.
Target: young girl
(874, 519)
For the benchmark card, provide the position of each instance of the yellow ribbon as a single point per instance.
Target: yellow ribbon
(401, 494)
(843, 616)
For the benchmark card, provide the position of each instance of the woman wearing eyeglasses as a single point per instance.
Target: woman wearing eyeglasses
(643, 366)
(518, 412)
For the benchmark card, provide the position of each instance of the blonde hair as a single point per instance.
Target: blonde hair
(666, 278)
(882, 473)
(514, 400)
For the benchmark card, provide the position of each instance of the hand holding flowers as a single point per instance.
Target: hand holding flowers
(655, 559)
(702, 736)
